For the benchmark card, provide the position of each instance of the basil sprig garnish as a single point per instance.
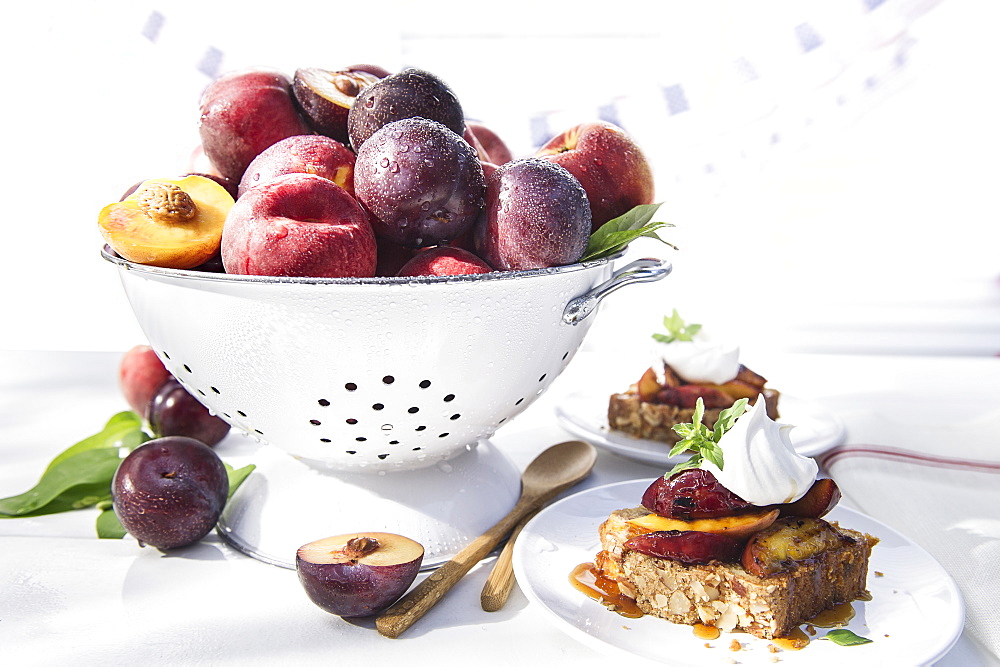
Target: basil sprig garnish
(614, 235)
(701, 441)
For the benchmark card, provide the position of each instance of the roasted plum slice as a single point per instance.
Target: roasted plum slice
(821, 497)
(687, 546)
(789, 541)
(736, 526)
(692, 494)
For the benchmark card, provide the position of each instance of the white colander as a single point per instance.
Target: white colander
(392, 376)
(372, 374)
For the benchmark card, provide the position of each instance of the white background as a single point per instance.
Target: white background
(841, 199)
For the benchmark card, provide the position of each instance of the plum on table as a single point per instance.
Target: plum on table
(170, 492)
(174, 411)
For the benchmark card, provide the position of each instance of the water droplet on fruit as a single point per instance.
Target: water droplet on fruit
(598, 161)
(583, 168)
(425, 206)
(418, 149)
(394, 167)
(384, 162)
(370, 102)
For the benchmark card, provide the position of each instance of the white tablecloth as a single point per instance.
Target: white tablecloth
(68, 597)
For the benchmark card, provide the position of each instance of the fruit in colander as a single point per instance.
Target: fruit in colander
(493, 148)
(421, 182)
(244, 112)
(170, 492)
(536, 216)
(444, 261)
(174, 411)
(609, 165)
(358, 574)
(298, 225)
(406, 94)
(302, 154)
(168, 222)
(326, 97)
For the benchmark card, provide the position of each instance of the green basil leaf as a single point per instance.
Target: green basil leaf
(843, 637)
(108, 525)
(237, 476)
(714, 454)
(122, 430)
(614, 235)
(81, 480)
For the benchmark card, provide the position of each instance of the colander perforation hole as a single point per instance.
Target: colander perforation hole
(543, 377)
(202, 393)
(188, 368)
(350, 386)
(566, 354)
(325, 440)
(443, 435)
(414, 410)
(383, 456)
(420, 428)
(315, 422)
(241, 413)
(350, 451)
(216, 390)
(519, 401)
(324, 403)
(394, 442)
(455, 416)
(352, 421)
(164, 353)
(388, 379)
(449, 398)
(378, 406)
(424, 384)
(361, 438)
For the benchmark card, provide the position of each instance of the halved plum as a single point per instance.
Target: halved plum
(692, 494)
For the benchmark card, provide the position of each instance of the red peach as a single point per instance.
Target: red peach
(244, 112)
(298, 225)
(141, 374)
(444, 261)
(490, 146)
(302, 154)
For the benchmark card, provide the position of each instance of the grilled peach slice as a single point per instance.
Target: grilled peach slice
(788, 541)
(737, 526)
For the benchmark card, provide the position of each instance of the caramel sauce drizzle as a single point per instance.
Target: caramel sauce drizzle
(591, 581)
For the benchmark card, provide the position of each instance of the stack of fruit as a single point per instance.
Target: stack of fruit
(361, 173)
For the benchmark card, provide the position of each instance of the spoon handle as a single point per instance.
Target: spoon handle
(405, 612)
(499, 584)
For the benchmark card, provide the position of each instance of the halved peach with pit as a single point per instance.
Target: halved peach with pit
(167, 222)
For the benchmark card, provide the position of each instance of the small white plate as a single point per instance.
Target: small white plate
(914, 617)
(586, 416)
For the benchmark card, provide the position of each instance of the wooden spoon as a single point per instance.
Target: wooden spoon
(553, 471)
(500, 583)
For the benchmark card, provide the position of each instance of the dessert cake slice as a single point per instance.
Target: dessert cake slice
(727, 596)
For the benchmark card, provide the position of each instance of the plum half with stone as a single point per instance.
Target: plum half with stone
(174, 223)
(170, 492)
(302, 154)
(422, 183)
(298, 225)
(326, 97)
(409, 93)
(358, 574)
(536, 216)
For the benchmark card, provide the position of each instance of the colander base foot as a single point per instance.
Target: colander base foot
(286, 503)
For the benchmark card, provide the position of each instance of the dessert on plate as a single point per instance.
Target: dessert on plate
(690, 366)
(734, 538)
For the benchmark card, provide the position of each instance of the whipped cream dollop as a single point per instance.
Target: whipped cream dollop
(759, 463)
(702, 359)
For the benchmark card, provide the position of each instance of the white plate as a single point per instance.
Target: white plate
(915, 616)
(586, 416)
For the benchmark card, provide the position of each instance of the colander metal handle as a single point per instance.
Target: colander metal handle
(640, 271)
